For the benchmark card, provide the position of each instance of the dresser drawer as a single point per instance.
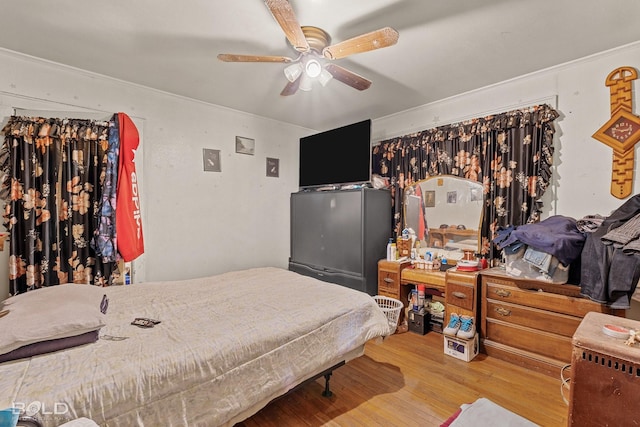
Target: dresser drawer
(542, 343)
(393, 295)
(535, 318)
(461, 295)
(502, 290)
(389, 278)
(462, 277)
(389, 282)
(428, 278)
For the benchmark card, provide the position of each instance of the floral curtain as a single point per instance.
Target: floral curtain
(54, 170)
(510, 153)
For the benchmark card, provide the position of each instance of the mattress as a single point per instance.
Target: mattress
(226, 346)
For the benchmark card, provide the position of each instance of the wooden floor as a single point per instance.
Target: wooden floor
(407, 380)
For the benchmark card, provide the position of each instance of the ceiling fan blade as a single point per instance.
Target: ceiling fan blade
(283, 13)
(348, 77)
(229, 57)
(383, 37)
(291, 87)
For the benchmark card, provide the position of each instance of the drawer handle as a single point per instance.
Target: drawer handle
(503, 311)
(388, 280)
(459, 295)
(502, 293)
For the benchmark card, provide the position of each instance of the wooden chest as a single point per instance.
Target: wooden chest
(530, 322)
(605, 375)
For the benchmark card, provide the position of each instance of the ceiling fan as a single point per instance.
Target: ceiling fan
(315, 51)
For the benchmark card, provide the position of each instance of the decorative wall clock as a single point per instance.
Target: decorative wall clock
(622, 131)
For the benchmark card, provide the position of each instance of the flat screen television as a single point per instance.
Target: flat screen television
(336, 157)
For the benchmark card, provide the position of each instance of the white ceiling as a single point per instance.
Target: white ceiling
(446, 47)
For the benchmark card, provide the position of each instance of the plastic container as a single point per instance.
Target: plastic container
(484, 263)
(420, 296)
(391, 308)
(414, 300)
(389, 246)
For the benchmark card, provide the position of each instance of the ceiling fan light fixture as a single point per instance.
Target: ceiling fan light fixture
(324, 77)
(305, 83)
(314, 49)
(293, 71)
(313, 68)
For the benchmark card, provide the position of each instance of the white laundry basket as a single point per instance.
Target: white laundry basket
(391, 307)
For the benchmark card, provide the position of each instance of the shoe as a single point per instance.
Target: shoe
(467, 328)
(453, 326)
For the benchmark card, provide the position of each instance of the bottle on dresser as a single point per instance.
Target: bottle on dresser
(392, 251)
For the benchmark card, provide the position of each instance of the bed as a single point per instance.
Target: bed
(226, 346)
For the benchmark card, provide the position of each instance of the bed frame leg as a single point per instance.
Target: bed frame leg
(327, 392)
(327, 376)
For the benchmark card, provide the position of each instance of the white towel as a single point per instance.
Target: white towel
(485, 413)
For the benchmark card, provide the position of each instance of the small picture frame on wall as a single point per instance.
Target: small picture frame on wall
(211, 160)
(452, 196)
(245, 145)
(429, 199)
(476, 194)
(273, 167)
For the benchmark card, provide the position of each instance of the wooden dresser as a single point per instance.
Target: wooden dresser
(530, 322)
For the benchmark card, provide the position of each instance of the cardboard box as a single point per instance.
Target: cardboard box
(419, 322)
(461, 349)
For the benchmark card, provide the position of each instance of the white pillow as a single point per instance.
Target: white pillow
(49, 313)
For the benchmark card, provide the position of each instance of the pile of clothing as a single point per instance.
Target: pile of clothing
(543, 250)
(601, 254)
(611, 257)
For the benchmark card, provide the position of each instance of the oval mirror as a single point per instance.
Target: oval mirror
(445, 212)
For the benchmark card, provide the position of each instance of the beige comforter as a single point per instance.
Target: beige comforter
(227, 345)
